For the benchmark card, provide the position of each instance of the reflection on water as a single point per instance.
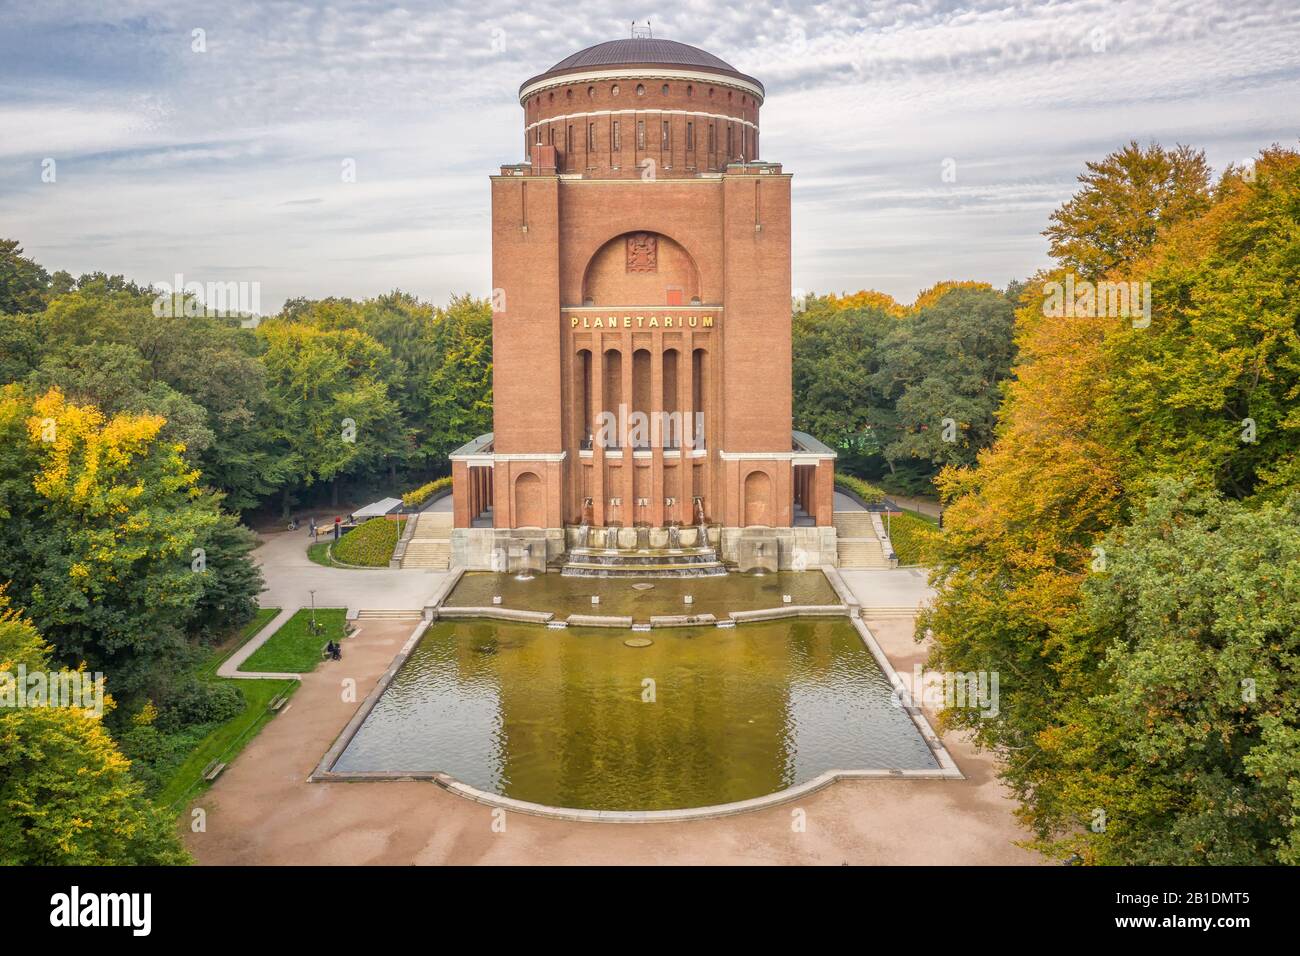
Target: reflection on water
(574, 718)
(621, 596)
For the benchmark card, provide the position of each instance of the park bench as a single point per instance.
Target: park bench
(213, 770)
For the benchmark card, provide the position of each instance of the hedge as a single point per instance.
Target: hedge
(369, 544)
(869, 493)
(422, 494)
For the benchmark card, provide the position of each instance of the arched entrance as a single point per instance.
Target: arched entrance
(758, 499)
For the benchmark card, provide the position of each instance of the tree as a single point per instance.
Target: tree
(333, 411)
(1188, 743)
(458, 387)
(22, 281)
(67, 796)
(946, 361)
(1112, 692)
(1128, 199)
(101, 521)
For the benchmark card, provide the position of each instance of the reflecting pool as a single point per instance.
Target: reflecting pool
(575, 718)
(642, 597)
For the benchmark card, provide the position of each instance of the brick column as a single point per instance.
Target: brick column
(657, 445)
(685, 375)
(598, 450)
(628, 511)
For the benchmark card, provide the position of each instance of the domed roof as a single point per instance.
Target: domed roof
(642, 51)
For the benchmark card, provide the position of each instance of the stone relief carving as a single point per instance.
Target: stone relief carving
(642, 253)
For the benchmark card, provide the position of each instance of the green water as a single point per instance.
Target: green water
(561, 717)
(713, 595)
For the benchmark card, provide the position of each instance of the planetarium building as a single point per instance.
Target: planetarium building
(641, 332)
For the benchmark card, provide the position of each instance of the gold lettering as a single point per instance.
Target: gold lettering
(627, 321)
(654, 321)
(574, 324)
(599, 324)
(640, 320)
(708, 321)
(668, 321)
(694, 320)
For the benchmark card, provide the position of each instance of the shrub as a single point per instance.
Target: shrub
(370, 544)
(199, 702)
(869, 493)
(413, 499)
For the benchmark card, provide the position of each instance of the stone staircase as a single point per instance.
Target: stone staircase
(857, 543)
(430, 543)
(387, 614)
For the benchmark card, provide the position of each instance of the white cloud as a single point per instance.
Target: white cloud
(172, 160)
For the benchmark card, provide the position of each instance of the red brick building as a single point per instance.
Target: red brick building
(641, 274)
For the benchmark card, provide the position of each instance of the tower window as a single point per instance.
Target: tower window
(640, 134)
(690, 135)
(664, 91)
(615, 138)
(613, 90)
(591, 137)
(713, 137)
(665, 138)
(640, 89)
(730, 150)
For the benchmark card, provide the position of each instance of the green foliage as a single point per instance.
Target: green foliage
(22, 281)
(1123, 611)
(940, 374)
(296, 647)
(101, 522)
(1190, 731)
(67, 796)
(877, 380)
(418, 496)
(458, 392)
(370, 544)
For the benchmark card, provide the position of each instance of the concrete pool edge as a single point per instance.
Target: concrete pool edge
(572, 814)
(947, 766)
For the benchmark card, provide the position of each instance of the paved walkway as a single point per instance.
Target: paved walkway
(291, 577)
(889, 588)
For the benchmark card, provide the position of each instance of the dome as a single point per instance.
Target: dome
(642, 51)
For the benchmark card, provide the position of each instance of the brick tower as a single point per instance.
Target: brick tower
(641, 274)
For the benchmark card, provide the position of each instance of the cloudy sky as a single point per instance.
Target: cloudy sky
(224, 164)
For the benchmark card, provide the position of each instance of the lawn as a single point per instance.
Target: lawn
(224, 741)
(320, 553)
(294, 648)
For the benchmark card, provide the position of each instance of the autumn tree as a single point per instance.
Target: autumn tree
(67, 796)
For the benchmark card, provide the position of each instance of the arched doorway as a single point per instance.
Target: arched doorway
(530, 502)
(758, 499)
